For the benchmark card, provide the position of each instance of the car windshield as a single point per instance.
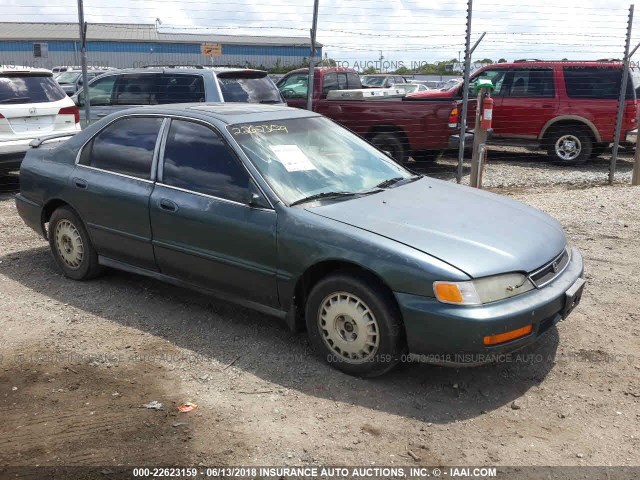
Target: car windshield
(67, 77)
(29, 89)
(248, 86)
(373, 81)
(303, 157)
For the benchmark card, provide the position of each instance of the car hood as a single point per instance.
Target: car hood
(475, 231)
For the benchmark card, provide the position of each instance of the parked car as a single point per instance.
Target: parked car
(287, 212)
(177, 84)
(32, 104)
(382, 80)
(71, 80)
(416, 128)
(412, 87)
(566, 108)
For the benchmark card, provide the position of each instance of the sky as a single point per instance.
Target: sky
(401, 32)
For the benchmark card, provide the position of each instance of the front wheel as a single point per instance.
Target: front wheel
(71, 246)
(570, 145)
(354, 325)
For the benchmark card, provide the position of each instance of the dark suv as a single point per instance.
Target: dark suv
(567, 108)
(111, 92)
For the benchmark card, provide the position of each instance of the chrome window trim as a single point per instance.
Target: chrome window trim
(566, 250)
(160, 178)
(116, 173)
(226, 200)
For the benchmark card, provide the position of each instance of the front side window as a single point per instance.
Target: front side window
(294, 86)
(329, 82)
(100, 91)
(126, 147)
(307, 156)
(353, 80)
(197, 159)
(496, 77)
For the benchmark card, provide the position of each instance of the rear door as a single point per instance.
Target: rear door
(111, 186)
(204, 231)
(529, 100)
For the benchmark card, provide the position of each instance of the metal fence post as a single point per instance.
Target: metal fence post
(83, 61)
(312, 57)
(465, 91)
(622, 99)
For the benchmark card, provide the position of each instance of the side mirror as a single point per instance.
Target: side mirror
(255, 199)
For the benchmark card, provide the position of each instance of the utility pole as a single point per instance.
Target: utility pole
(312, 57)
(83, 61)
(465, 91)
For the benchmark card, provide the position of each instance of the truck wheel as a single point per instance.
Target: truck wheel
(71, 246)
(392, 144)
(354, 325)
(571, 145)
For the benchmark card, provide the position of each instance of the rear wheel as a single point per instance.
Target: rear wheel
(570, 145)
(71, 246)
(354, 325)
(392, 144)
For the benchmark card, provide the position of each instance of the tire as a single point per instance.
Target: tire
(343, 306)
(570, 145)
(599, 149)
(71, 246)
(427, 155)
(391, 143)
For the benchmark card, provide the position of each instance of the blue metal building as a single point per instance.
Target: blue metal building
(134, 45)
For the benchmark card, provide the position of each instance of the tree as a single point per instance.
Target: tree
(369, 71)
(502, 60)
(486, 61)
(403, 71)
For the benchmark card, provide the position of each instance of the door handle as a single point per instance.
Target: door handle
(80, 183)
(167, 205)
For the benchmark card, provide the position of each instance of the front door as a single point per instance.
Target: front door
(111, 187)
(204, 231)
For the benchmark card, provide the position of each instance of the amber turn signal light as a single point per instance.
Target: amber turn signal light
(507, 336)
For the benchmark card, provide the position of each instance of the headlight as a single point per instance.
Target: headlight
(482, 290)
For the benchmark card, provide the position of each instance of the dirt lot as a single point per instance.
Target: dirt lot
(78, 361)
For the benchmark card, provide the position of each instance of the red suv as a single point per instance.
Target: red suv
(567, 108)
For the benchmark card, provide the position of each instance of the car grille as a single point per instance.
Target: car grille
(551, 270)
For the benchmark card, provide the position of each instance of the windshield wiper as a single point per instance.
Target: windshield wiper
(318, 196)
(15, 99)
(392, 181)
(270, 101)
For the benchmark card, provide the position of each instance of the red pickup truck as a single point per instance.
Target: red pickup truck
(566, 108)
(402, 128)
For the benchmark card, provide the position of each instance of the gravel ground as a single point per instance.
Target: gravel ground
(79, 359)
(514, 166)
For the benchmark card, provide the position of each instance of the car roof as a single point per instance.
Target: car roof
(22, 70)
(186, 69)
(227, 113)
(563, 63)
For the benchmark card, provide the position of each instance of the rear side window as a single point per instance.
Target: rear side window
(180, 88)
(534, 83)
(29, 89)
(126, 147)
(595, 82)
(197, 159)
(353, 80)
(136, 90)
(248, 86)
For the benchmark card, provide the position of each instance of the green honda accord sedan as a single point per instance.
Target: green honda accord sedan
(286, 212)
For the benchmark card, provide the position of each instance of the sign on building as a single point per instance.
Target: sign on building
(211, 49)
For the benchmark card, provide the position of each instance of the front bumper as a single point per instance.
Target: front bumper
(453, 334)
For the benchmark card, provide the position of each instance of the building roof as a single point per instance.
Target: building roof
(132, 32)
